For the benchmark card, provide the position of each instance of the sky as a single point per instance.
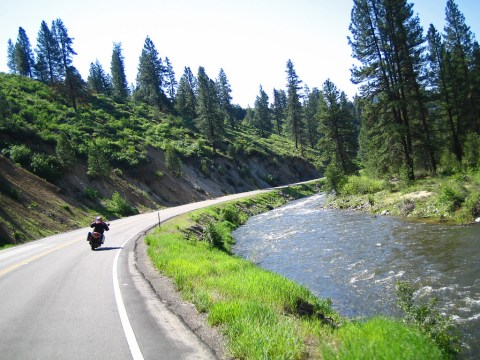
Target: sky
(252, 40)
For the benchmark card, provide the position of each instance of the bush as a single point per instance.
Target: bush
(172, 160)
(452, 195)
(45, 166)
(335, 178)
(430, 321)
(362, 185)
(212, 235)
(121, 206)
(91, 193)
(20, 154)
(98, 165)
(65, 152)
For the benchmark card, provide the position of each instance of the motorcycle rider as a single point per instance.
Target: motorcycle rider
(99, 226)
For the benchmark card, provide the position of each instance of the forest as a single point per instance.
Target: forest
(417, 113)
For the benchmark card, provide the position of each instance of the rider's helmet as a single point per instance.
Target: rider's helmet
(98, 219)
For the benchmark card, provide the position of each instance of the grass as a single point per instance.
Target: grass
(381, 338)
(264, 315)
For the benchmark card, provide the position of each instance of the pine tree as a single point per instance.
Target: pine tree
(48, 55)
(443, 95)
(72, 78)
(338, 142)
(150, 77)
(224, 91)
(311, 106)
(23, 54)
(387, 40)
(11, 63)
(209, 119)
(459, 44)
(119, 79)
(98, 80)
(294, 116)
(170, 83)
(262, 119)
(185, 100)
(279, 107)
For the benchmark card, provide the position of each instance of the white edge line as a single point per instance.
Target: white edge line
(127, 327)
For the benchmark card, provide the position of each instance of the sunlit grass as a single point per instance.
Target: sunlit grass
(380, 338)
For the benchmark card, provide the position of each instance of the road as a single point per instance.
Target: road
(61, 300)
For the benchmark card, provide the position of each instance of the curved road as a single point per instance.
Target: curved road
(60, 300)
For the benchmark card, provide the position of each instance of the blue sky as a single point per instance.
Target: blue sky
(250, 39)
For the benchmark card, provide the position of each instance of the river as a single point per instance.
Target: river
(355, 259)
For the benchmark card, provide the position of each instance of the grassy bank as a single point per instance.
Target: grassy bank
(264, 315)
(454, 199)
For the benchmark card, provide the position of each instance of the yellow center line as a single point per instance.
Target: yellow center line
(35, 257)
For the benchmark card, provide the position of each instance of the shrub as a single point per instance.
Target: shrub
(362, 185)
(98, 165)
(45, 166)
(91, 193)
(65, 152)
(172, 160)
(20, 154)
(121, 206)
(231, 214)
(205, 164)
(335, 178)
(452, 195)
(212, 235)
(449, 163)
(428, 319)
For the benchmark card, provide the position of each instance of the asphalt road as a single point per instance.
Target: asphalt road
(61, 300)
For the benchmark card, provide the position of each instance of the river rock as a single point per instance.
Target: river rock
(477, 220)
(385, 212)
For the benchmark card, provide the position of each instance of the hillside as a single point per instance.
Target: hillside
(42, 193)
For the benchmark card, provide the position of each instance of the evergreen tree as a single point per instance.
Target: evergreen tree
(262, 119)
(279, 108)
(388, 41)
(72, 79)
(98, 80)
(338, 142)
(459, 44)
(170, 83)
(11, 63)
(224, 91)
(48, 55)
(185, 101)
(150, 77)
(24, 61)
(294, 116)
(40, 69)
(119, 79)
(442, 91)
(311, 106)
(209, 119)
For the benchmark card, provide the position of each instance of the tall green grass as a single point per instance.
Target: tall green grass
(381, 338)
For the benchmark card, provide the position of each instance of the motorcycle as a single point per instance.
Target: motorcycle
(95, 239)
